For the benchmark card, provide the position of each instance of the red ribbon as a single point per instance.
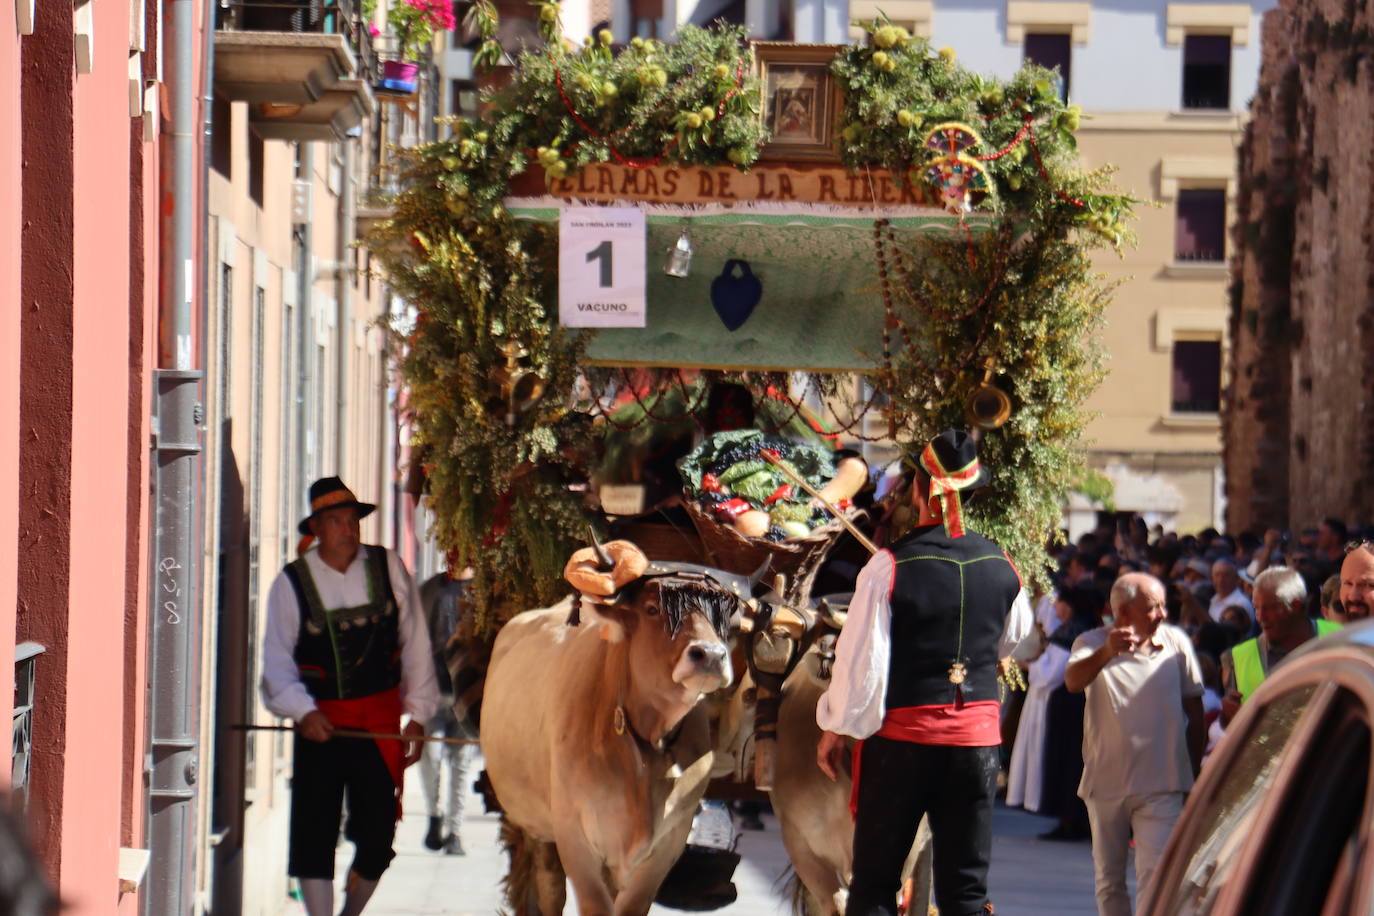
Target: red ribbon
(945, 486)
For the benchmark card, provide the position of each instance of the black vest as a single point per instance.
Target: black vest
(936, 578)
(346, 653)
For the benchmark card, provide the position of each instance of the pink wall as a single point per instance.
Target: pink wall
(100, 419)
(10, 222)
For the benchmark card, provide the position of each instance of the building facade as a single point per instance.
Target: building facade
(79, 323)
(188, 337)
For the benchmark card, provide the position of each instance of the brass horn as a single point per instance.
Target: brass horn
(988, 407)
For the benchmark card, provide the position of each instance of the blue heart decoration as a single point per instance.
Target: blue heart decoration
(734, 297)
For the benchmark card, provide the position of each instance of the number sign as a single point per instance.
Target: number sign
(601, 267)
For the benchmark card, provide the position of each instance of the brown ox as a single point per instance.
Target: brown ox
(595, 741)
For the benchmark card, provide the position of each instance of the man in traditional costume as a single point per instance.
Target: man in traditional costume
(915, 680)
(346, 648)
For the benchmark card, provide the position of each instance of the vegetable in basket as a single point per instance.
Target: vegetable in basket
(726, 476)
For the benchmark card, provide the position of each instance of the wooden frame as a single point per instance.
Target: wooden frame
(801, 99)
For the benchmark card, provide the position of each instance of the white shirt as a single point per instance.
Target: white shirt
(283, 692)
(1135, 732)
(1220, 604)
(855, 704)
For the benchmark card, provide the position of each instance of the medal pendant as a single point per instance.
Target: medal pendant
(957, 673)
(619, 720)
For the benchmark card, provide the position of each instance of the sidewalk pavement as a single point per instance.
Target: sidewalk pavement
(1029, 877)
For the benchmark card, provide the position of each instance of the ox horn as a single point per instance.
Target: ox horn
(603, 559)
(757, 575)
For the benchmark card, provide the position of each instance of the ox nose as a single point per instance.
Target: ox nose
(710, 658)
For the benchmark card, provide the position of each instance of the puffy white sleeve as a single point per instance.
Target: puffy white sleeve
(419, 687)
(1018, 633)
(855, 703)
(281, 688)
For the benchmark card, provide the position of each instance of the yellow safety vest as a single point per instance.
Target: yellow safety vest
(1246, 659)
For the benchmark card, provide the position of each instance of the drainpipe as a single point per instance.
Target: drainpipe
(174, 606)
(342, 284)
(306, 402)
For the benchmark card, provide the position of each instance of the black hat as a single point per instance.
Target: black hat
(951, 460)
(330, 493)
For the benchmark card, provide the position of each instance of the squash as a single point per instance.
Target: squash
(850, 476)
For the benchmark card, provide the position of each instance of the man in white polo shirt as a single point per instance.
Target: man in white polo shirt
(1143, 733)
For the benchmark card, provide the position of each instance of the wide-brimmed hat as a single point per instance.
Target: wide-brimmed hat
(330, 493)
(951, 461)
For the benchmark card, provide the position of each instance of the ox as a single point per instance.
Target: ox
(813, 812)
(595, 740)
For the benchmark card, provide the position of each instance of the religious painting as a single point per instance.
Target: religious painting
(800, 99)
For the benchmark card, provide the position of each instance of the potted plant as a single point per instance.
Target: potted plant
(412, 23)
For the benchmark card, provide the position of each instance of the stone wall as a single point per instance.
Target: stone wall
(1298, 422)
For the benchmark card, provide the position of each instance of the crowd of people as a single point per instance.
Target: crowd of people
(1211, 613)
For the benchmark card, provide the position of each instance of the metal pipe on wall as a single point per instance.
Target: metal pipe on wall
(305, 375)
(174, 639)
(344, 237)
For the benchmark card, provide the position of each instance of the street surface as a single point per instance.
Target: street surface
(1030, 877)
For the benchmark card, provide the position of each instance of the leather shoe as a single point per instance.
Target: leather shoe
(434, 839)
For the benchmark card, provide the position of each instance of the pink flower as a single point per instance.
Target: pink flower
(373, 30)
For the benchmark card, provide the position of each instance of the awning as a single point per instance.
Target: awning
(822, 306)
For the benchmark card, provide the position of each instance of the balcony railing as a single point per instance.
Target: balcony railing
(325, 17)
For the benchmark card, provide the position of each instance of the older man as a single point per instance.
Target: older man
(1281, 607)
(1142, 736)
(1226, 581)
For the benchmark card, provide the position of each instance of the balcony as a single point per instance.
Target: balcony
(304, 66)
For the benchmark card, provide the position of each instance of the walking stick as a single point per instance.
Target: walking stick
(772, 458)
(353, 733)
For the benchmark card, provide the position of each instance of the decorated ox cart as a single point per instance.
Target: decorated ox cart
(869, 242)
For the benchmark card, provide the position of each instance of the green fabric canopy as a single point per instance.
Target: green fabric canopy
(821, 309)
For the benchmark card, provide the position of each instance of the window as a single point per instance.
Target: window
(1200, 231)
(256, 154)
(1196, 384)
(463, 98)
(1051, 51)
(221, 137)
(1207, 72)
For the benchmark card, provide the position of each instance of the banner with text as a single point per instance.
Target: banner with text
(601, 264)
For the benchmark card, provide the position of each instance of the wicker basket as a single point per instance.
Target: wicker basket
(797, 558)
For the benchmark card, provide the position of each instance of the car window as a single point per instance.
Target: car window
(1318, 820)
(1225, 817)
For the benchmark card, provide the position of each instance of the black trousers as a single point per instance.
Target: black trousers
(901, 781)
(323, 773)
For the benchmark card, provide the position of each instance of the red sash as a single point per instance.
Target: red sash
(379, 713)
(949, 724)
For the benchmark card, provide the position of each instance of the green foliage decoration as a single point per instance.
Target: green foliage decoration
(1020, 295)
(501, 481)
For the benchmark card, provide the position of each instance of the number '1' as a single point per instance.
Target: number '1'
(602, 253)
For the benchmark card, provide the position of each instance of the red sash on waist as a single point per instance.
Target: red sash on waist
(976, 724)
(380, 713)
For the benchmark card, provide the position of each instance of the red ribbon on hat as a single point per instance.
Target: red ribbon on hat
(945, 486)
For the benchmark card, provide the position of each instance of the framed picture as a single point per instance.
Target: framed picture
(800, 99)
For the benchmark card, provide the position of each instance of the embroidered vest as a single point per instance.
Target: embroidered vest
(346, 653)
(950, 598)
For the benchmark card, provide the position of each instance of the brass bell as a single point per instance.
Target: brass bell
(988, 407)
